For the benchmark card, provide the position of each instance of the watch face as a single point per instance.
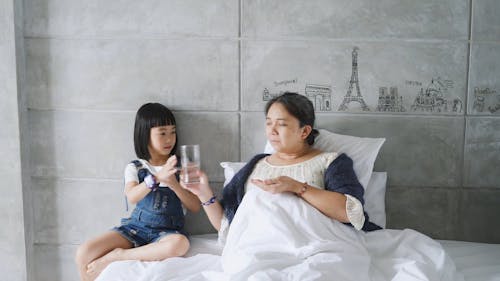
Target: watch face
(150, 181)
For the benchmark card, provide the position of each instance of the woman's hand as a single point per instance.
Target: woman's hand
(278, 185)
(167, 174)
(201, 189)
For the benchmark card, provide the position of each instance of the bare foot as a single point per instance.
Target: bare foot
(94, 268)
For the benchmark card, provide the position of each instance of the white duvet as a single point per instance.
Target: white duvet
(281, 237)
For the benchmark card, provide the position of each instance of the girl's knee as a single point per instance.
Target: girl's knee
(82, 255)
(180, 243)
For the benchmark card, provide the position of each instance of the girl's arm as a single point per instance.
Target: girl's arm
(135, 191)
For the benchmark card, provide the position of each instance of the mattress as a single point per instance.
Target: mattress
(476, 261)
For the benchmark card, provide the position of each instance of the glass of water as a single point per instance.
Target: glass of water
(190, 163)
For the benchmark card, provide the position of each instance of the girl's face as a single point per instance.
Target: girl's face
(283, 129)
(162, 140)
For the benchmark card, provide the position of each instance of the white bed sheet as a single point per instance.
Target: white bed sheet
(476, 261)
(297, 242)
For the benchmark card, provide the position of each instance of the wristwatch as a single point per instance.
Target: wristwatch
(150, 182)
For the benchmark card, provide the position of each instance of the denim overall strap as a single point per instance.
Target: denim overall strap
(160, 208)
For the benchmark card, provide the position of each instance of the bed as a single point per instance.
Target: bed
(475, 261)
(285, 246)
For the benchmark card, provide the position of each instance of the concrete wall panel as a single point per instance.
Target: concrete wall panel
(432, 211)
(131, 18)
(13, 259)
(417, 152)
(59, 205)
(356, 19)
(119, 74)
(485, 20)
(100, 144)
(482, 152)
(479, 210)
(55, 262)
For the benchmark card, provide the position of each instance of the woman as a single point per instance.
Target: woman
(325, 180)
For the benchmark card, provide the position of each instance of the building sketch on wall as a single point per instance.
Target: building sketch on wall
(354, 82)
(481, 95)
(320, 96)
(266, 95)
(390, 100)
(433, 98)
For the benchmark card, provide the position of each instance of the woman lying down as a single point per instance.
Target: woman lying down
(298, 215)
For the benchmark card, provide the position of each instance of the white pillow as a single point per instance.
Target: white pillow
(374, 195)
(362, 151)
(375, 198)
(230, 169)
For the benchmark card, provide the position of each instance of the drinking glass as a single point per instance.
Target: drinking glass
(190, 163)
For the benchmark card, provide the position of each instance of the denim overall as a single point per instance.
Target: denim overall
(158, 214)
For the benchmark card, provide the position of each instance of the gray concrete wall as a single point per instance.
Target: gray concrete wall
(13, 261)
(428, 74)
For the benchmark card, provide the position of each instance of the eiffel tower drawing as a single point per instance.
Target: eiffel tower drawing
(354, 81)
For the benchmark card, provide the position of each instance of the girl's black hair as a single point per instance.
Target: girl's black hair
(300, 107)
(148, 116)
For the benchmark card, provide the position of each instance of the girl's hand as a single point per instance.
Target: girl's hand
(278, 185)
(167, 174)
(202, 189)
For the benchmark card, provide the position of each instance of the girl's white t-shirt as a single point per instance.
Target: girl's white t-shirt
(131, 171)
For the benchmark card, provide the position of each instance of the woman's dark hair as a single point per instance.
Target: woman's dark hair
(148, 116)
(300, 107)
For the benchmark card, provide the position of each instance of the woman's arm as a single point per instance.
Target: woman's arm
(214, 212)
(331, 204)
(204, 192)
(343, 198)
(188, 199)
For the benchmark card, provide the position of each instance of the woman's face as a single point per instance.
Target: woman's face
(283, 129)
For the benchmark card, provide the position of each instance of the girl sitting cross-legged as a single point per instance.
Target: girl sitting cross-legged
(154, 231)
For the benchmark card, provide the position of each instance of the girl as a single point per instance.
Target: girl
(154, 230)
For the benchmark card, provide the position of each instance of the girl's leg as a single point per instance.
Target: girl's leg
(174, 245)
(96, 248)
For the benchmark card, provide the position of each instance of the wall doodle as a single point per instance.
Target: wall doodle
(496, 107)
(433, 98)
(282, 87)
(320, 96)
(354, 82)
(266, 95)
(457, 105)
(481, 96)
(390, 101)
